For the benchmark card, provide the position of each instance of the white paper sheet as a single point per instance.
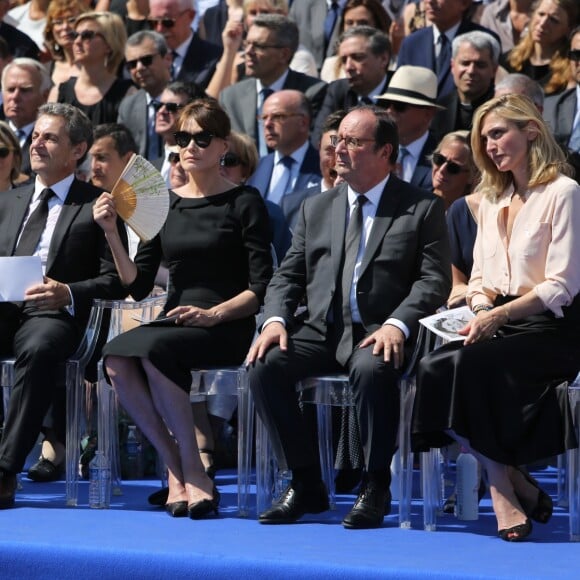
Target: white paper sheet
(448, 322)
(17, 274)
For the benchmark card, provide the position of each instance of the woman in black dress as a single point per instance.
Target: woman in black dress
(496, 391)
(216, 244)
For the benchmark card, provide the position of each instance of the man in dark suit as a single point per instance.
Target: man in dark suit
(194, 59)
(270, 45)
(410, 100)
(25, 86)
(430, 47)
(474, 61)
(52, 219)
(149, 64)
(365, 53)
(295, 165)
(366, 291)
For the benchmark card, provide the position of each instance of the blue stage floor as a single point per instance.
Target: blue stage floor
(42, 538)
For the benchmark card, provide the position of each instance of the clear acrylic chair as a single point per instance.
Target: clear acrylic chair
(573, 466)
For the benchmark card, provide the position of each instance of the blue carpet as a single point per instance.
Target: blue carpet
(42, 538)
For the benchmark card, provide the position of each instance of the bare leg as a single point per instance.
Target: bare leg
(131, 386)
(203, 433)
(173, 405)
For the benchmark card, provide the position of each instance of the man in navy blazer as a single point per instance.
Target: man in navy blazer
(423, 47)
(46, 329)
(286, 116)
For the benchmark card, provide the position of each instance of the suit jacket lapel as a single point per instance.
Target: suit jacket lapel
(18, 213)
(382, 222)
(70, 209)
(337, 227)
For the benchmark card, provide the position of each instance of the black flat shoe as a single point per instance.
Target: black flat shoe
(176, 509)
(203, 509)
(516, 533)
(541, 512)
(44, 471)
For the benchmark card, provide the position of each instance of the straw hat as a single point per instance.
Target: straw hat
(415, 85)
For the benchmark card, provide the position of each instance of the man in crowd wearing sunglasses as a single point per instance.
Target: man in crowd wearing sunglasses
(25, 86)
(193, 59)
(148, 61)
(562, 111)
(474, 61)
(283, 176)
(410, 100)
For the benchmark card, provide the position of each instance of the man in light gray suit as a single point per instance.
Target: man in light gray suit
(149, 64)
(366, 290)
(295, 164)
(271, 43)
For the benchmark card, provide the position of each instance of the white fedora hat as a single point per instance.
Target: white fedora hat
(415, 85)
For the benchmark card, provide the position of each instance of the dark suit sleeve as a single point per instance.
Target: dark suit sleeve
(328, 106)
(432, 283)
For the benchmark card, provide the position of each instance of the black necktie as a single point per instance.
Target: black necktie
(351, 247)
(173, 70)
(34, 226)
(444, 57)
(329, 22)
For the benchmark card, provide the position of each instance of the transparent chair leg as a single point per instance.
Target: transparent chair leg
(431, 478)
(245, 433)
(573, 458)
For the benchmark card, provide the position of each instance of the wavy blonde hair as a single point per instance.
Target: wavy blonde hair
(559, 63)
(545, 158)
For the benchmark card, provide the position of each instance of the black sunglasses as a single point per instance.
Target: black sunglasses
(201, 139)
(165, 22)
(230, 160)
(169, 107)
(452, 167)
(85, 35)
(398, 106)
(574, 54)
(146, 60)
(5, 151)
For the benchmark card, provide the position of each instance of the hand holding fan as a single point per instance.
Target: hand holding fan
(141, 197)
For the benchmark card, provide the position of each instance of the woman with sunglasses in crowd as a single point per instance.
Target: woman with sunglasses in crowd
(10, 159)
(98, 50)
(216, 244)
(496, 392)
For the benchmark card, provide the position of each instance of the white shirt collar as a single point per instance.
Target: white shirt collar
(373, 194)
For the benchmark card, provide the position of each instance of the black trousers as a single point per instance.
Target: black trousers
(40, 343)
(376, 394)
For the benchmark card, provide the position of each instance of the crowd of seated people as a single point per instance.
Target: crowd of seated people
(250, 104)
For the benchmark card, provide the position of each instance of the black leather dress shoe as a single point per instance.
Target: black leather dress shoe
(159, 498)
(370, 507)
(44, 470)
(7, 490)
(295, 502)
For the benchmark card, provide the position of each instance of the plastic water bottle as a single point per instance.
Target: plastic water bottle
(99, 482)
(467, 506)
(134, 455)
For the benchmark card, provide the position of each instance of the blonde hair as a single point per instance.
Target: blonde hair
(113, 31)
(559, 63)
(545, 158)
(8, 138)
(245, 148)
(463, 138)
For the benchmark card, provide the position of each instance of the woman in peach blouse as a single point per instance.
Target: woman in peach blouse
(496, 391)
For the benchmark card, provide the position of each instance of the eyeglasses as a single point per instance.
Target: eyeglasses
(146, 60)
(201, 139)
(230, 159)
(169, 107)
(85, 35)
(61, 21)
(395, 105)
(350, 142)
(278, 117)
(5, 151)
(574, 55)
(164, 22)
(453, 168)
(173, 158)
(261, 47)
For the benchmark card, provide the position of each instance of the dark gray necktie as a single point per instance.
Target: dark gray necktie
(34, 227)
(351, 247)
(444, 57)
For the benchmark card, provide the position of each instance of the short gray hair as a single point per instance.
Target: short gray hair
(523, 85)
(30, 64)
(158, 40)
(379, 42)
(480, 41)
(285, 29)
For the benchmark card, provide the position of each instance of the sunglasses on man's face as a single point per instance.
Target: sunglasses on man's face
(452, 167)
(574, 55)
(201, 139)
(146, 60)
(397, 106)
(163, 22)
(230, 160)
(5, 151)
(169, 107)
